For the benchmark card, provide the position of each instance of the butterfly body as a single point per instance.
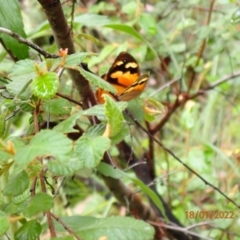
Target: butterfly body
(124, 75)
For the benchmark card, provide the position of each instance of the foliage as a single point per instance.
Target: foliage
(54, 150)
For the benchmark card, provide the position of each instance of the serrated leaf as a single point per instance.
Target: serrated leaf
(97, 81)
(4, 223)
(65, 168)
(114, 116)
(41, 202)
(45, 86)
(67, 125)
(29, 231)
(95, 130)
(13, 20)
(17, 185)
(23, 69)
(21, 74)
(112, 228)
(57, 106)
(46, 142)
(90, 151)
(99, 110)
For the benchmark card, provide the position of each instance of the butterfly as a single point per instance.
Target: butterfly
(125, 76)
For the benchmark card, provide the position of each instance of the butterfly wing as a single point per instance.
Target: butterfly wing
(124, 75)
(135, 89)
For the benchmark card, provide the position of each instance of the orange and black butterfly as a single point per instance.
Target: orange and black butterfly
(125, 76)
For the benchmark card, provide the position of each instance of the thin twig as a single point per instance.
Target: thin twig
(48, 213)
(28, 43)
(180, 229)
(179, 160)
(187, 97)
(41, 175)
(69, 98)
(33, 187)
(65, 226)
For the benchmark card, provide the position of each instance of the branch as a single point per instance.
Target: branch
(186, 97)
(143, 173)
(28, 43)
(63, 38)
(179, 160)
(65, 226)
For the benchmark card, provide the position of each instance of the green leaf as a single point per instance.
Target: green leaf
(112, 228)
(131, 31)
(90, 151)
(99, 110)
(41, 202)
(2, 125)
(236, 16)
(114, 115)
(90, 38)
(67, 125)
(4, 223)
(148, 22)
(4, 157)
(76, 58)
(124, 132)
(136, 110)
(10, 18)
(154, 197)
(46, 142)
(109, 171)
(17, 185)
(57, 106)
(91, 20)
(21, 74)
(97, 81)
(68, 167)
(63, 238)
(30, 230)
(23, 69)
(45, 86)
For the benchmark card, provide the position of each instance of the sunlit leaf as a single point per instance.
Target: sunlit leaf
(45, 86)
